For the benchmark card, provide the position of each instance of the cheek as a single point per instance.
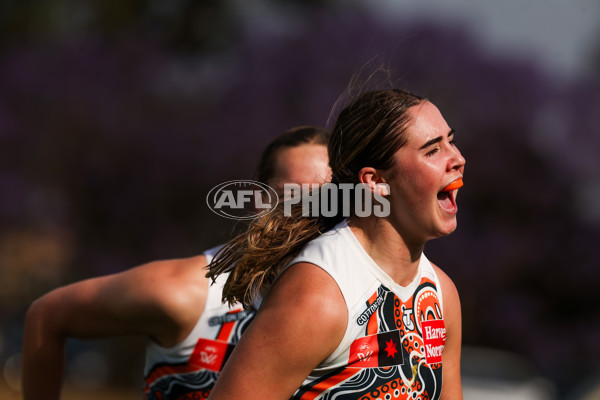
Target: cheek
(416, 176)
(412, 182)
(407, 195)
(416, 190)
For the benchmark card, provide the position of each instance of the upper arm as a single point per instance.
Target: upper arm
(452, 387)
(162, 300)
(300, 323)
(134, 302)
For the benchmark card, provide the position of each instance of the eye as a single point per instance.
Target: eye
(453, 142)
(432, 152)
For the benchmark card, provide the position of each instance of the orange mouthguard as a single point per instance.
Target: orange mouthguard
(454, 185)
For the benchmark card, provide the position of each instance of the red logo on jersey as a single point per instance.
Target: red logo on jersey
(373, 351)
(434, 339)
(210, 354)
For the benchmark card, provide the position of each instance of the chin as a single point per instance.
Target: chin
(446, 229)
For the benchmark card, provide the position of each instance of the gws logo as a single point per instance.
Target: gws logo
(365, 352)
(209, 357)
(242, 199)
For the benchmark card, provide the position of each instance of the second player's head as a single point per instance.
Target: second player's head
(298, 156)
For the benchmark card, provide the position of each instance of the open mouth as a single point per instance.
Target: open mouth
(447, 197)
(457, 184)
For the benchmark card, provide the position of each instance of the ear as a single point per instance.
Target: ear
(371, 177)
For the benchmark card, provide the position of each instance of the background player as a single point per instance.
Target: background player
(171, 302)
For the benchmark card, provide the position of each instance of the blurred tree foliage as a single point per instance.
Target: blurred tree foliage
(182, 25)
(116, 119)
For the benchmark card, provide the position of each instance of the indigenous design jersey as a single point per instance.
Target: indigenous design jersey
(189, 369)
(395, 335)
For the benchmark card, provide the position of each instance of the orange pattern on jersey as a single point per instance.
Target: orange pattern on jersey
(320, 387)
(397, 391)
(372, 325)
(193, 365)
(415, 378)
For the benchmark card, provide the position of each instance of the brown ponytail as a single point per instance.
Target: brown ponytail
(255, 257)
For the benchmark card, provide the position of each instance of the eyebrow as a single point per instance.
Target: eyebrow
(436, 140)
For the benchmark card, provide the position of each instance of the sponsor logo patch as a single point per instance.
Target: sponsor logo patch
(210, 354)
(364, 317)
(434, 339)
(374, 351)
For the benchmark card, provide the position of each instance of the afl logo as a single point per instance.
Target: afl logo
(242, 199)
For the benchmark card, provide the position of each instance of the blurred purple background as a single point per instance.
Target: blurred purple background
(117, 118)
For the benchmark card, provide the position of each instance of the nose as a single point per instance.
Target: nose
(456, 161)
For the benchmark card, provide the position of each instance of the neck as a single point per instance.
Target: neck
(396, 256)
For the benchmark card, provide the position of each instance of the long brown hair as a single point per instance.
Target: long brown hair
(367, 133)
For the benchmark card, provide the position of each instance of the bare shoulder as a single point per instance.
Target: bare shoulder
(300, 323)
(167, 297)
(179, 284)
(305, 292)
(181, 272)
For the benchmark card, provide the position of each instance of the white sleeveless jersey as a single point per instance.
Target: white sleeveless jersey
(395, 335)
(191, 367)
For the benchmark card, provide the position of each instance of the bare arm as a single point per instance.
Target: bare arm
(161, 300)
(452, 385)
(300, 323)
